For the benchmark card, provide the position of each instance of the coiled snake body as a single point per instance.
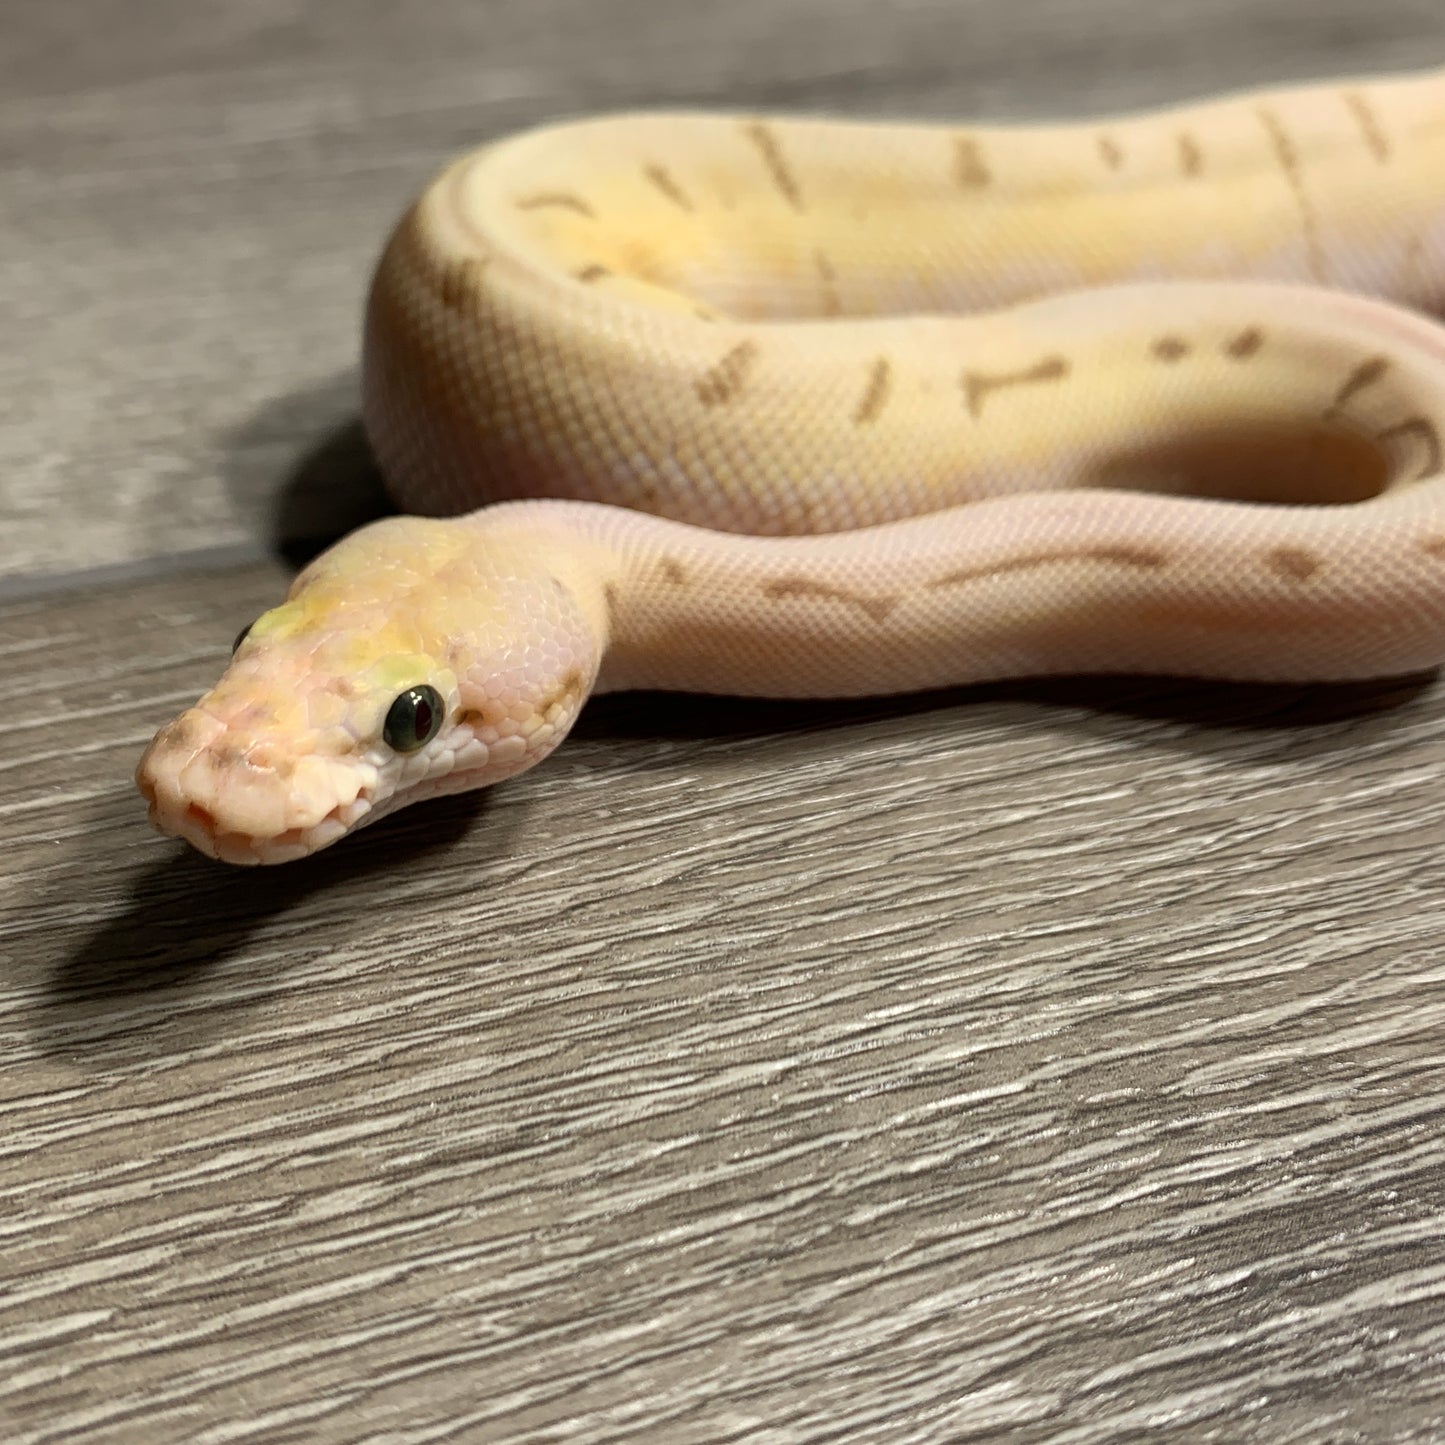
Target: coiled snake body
(798, 407)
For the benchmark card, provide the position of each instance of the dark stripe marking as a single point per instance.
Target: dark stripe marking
(977, 386)
(832, 305)
(565, 200)
(1366, 374)
(969, 171)
(460, 281)
(785, 588)
(1144, 558)
(724, 381)
(764, 139)
(1376, 141)
(1191, 158)
(1288, 158)
(875, 394)
(1245, 344)
(661, 177)
(1294, 563)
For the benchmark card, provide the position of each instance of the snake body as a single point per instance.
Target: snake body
(804, 407)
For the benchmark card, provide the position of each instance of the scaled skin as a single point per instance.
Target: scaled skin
(1101, 366)
(285, 754)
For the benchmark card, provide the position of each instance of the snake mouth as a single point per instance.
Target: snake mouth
(207, 833)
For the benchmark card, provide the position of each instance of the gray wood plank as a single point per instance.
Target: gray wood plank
(1037, 1062)
(195, 194)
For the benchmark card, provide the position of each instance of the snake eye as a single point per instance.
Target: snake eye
(240, 638)
(414, 719)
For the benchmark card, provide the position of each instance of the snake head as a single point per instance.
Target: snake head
(414, 658)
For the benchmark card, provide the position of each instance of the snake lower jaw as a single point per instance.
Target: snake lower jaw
(204, 831)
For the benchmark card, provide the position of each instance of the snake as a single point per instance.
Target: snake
(813, 406)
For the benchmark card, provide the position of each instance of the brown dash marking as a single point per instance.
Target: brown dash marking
(459, 282)
(1144, 558)
(1170, 348)
(969, 171)
(1191, 158)
(832, 305)
(1423, 429)
(569, 690)
(1434, 547)
(1245, 344)
(1293, 563)
(785, 588)
(594, 272)
(1289, 162)
(673, 571)
(1366, 374)
(763, 137)
(1109, 150)
(566, 200)
(977, 386)
(875, 394)
(1376, 141)
(661, 177)
(724, 381)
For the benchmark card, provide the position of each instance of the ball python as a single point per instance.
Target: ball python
(815, 407)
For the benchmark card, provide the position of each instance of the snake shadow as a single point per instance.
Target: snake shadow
(1204, 717)
(187, 915)
(329, 483)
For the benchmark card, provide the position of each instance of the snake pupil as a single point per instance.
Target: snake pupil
(414, 719)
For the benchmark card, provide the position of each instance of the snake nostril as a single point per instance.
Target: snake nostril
(197, 814)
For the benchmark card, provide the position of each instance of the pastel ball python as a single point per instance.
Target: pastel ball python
(815, 408)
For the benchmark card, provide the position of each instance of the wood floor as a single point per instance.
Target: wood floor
(1051, 1062)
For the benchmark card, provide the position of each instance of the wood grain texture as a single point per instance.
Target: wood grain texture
(1040, 1063)
(1043, 1062)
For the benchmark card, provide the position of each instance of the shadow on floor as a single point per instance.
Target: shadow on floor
(300, 470)
(1203, 708)
(188, 915)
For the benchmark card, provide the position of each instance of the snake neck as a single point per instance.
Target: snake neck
(1105, 569)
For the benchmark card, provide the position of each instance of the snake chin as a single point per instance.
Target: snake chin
(208, 833)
